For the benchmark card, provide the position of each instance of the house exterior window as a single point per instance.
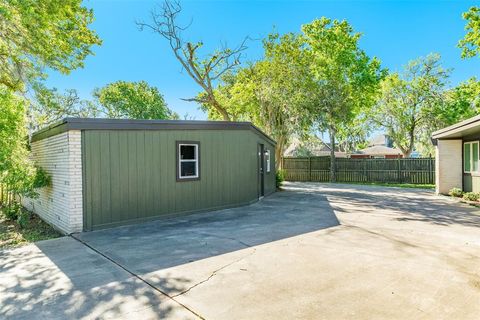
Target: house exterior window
(470, 156)
(267, 159)
(188, 159)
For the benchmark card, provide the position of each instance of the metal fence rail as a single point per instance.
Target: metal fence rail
(402, 170)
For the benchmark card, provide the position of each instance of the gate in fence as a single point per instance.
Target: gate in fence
(401, 170)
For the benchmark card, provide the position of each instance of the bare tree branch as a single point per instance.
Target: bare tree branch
(203, 71)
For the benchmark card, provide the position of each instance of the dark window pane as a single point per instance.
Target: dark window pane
(187, 152)
(188, 169)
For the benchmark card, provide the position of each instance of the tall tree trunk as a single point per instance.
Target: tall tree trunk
(411, 144)
(333, 162)
(279, 153)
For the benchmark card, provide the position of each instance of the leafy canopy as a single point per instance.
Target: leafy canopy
(135, 100)
(34, 35)
(50, 105)
(410, 102)
(272, 93)
(17, 173)
(470, 44)
(37, 34)
(460, 103)
(280, 87)
(346, 80)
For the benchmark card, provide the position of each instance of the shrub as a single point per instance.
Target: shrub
(23, 218)
(12, 211)
(471, 196)
(279, 177)
(456, 192)
(42, 178)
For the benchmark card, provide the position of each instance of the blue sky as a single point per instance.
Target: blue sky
(393, 31)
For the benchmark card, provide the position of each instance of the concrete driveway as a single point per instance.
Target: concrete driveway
(314, 251)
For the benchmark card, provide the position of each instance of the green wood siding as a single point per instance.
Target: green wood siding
(130, 175)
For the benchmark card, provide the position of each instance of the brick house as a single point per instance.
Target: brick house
(457, 156)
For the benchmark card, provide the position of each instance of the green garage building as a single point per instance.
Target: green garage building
(111, 172)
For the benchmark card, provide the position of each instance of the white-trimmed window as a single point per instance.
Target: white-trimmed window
(188, 160)
(470, 156)
(267, 159)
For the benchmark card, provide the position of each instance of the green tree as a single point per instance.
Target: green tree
(34, 35)
(354, 136)
(460, 103)
(470, 44)
(229, 94)
(18, 175)
(39, 34)
(409, 105)
(273, 92)
(134, 100)
(346, 79)
(50, 105)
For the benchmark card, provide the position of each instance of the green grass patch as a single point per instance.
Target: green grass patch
(34, 229)
(400, 185)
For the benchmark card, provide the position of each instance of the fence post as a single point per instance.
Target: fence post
(399, 179)
(310, 169)
(430, 175)
(364, 169)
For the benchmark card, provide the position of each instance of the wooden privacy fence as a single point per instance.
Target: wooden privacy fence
(402, 170)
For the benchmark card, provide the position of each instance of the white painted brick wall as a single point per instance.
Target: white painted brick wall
(61, 203)
(448, 165)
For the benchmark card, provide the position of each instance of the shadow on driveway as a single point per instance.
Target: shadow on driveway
(161, 244)
(412, 204)
(64, 279)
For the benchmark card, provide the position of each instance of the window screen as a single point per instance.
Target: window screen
(466, 157)
(475, 156)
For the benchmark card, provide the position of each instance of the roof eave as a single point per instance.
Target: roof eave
(456, 128)
(68, 124)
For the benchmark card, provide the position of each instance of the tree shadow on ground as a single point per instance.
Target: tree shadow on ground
(70, 281)
(410, 204)
(155, 245)
(65, 279)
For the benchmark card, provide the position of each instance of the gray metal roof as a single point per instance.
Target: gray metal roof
(458, 130)
(130, 124)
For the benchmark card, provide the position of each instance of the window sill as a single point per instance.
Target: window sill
(187, 179)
